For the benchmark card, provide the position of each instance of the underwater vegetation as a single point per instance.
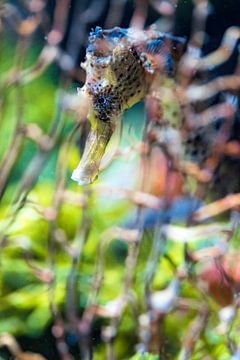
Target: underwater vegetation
(119, 180)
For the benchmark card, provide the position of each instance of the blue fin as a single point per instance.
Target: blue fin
(154, 46)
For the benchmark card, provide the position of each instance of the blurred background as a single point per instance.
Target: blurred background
(123, 268)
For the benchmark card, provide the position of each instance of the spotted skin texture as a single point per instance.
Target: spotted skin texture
(120, 66)
(128, 85)
(200, 142)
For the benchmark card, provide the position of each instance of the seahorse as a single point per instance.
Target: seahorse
(121, 65)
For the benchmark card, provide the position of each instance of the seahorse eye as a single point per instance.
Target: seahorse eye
(101, 100)
(104, 104)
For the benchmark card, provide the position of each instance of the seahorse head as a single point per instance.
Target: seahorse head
(115, 77)
(119, 65)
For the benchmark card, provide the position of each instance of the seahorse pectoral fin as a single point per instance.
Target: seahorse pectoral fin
(98, 138)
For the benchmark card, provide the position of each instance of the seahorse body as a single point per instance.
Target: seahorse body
(120, 66)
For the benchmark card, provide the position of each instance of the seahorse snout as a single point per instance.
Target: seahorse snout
(88, 168)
